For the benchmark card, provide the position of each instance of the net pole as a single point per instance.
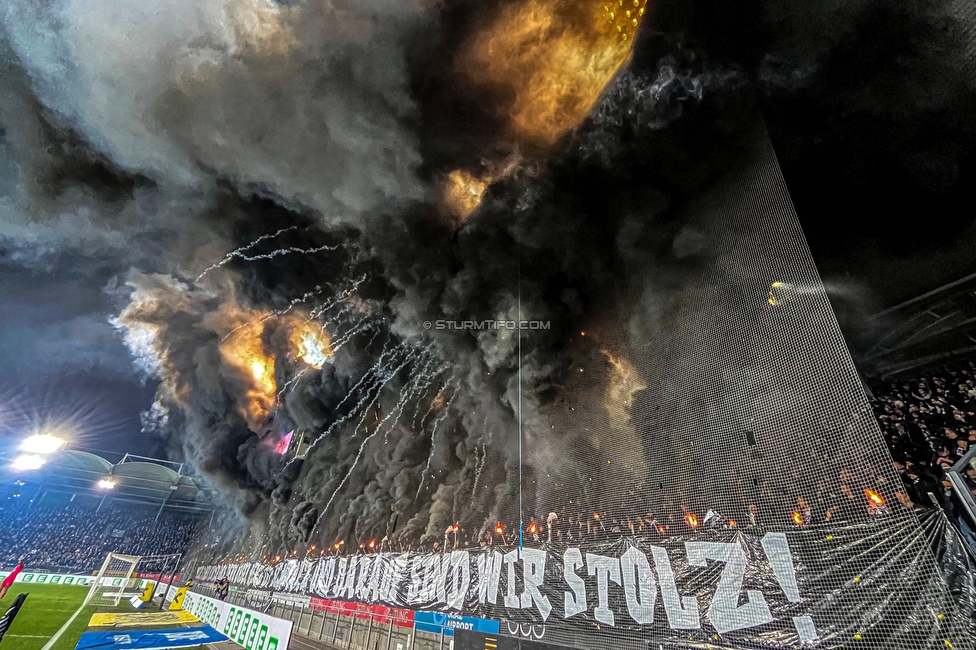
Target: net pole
(519, 331)
(176, 566)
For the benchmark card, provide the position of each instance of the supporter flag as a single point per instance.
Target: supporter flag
(11, 614)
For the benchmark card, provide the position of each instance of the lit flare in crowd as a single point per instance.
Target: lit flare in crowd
(499, 529)
(874, 498)
(797, 518)
(691, 519)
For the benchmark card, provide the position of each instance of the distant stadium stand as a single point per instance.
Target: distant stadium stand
(60, 520)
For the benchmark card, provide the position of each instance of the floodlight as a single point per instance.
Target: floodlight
(26, 462)
(41, 443)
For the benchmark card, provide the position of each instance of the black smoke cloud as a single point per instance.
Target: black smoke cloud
(151, 142)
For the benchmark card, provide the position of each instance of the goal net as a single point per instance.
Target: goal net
(132, 578)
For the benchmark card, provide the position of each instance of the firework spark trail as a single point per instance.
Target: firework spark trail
(341, 340)
(425, 377)
(433, 445)
(479, 467)
(243, 249)
(339, 298)
(413, 387)
(376, 333)
(405, 394)
(289, 250)
(303, 298)
(419, 424)
(373, 372)
(260, 321)
(291, 382)
(315, 313)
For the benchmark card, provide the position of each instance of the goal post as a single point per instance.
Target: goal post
(116, 579)
(129, 577)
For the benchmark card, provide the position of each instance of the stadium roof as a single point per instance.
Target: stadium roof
(135, 479)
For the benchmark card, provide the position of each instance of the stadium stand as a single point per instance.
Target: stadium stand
(929, 424)
(68, 514)
(75, 538)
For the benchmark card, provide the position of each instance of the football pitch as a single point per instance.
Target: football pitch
(44, 612)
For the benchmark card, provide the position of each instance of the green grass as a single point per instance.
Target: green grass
(44, 612)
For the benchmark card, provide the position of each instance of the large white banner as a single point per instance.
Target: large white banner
(251, 629)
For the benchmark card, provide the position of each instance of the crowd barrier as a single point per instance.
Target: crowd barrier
(255, 630)
(361, 626)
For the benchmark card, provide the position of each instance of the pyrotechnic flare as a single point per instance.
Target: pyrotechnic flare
(874, 498)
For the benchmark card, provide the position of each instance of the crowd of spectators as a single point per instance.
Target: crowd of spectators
(73, 538)
(929, 424)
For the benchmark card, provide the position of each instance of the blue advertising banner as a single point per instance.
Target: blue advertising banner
(154, 639)
(436, 622)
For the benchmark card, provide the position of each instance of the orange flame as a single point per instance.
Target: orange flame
(372, 543)
(462, 192)
(533, 528)
(797, 518)
(244, 350)
(733, 523)
(692, 520)
(874, 498)
(499, 529)
(556, 57)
